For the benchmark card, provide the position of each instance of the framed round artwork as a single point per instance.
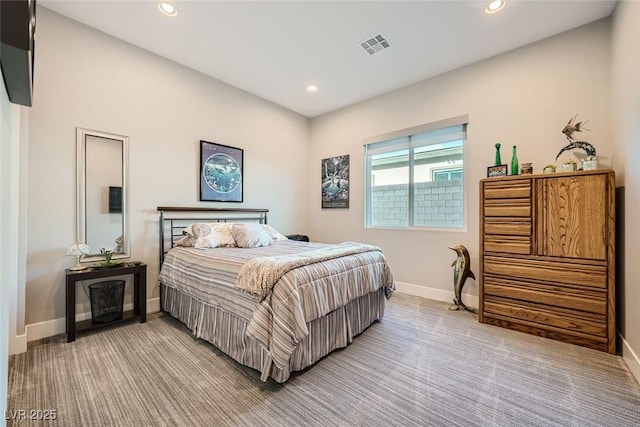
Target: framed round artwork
(221, 168)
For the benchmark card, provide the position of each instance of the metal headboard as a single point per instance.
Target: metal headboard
(174, 219)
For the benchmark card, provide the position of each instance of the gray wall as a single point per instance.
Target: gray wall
(523, 97)
(625, 81)
(88, 79)
(13, 165)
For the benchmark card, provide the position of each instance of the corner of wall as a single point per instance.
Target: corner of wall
(631, 359)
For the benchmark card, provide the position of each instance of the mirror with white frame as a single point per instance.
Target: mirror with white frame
(102, 193)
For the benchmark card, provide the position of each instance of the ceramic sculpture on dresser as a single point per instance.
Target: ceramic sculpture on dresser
(569, 130)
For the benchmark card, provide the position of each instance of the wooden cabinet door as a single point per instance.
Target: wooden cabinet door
(573, 216)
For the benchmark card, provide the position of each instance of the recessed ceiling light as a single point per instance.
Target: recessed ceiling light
(495, 6)
(168, 9)
(312, 88)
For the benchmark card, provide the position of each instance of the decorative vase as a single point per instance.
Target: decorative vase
(514, 162)
(108, 253)
(498, 161)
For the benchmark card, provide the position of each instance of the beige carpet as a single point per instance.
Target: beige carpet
(420, 365)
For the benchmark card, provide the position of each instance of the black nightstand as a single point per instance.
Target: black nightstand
(139, 271)
(298, 237)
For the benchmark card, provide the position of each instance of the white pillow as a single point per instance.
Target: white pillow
(275, 234)
(250, 235)
(210, 235)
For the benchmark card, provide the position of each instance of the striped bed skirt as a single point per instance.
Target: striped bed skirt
(227, 331)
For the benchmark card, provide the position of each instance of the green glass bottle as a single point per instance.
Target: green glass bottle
(514, 162)
(498, 158)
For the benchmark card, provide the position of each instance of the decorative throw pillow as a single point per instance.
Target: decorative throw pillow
(250, 235)
(196, 229)
(209, 235)
(223, 232)
(275, 234)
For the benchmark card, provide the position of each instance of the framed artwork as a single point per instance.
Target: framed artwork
(496, 171)
(335, 182)
(221, 170)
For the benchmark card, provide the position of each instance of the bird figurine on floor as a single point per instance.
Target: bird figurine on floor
(461, 272)
(568, 131)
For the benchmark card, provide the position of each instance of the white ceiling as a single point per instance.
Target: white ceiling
(273, 49)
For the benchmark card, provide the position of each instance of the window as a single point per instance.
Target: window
(414, 177)
(447, 174)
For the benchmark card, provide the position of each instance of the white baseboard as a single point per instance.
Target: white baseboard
(17, 344)
(153, 305)
(435, 294)
(49, 328)
(36, 331)
(631, 359)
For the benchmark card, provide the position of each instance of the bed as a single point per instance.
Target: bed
(277, 307)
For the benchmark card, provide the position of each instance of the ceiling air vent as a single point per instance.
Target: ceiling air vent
(375, 44)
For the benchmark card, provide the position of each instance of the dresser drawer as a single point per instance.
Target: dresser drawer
(547, 271)
(508, 208)
(572, 322)
(558, 296)
(507, 189)
(508, 244)
(507, 226)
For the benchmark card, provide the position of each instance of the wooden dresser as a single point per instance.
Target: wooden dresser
(547, 256)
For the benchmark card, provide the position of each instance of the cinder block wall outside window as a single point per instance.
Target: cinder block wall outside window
(436, 204)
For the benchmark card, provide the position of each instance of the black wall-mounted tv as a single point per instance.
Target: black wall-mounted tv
(115, 199)
(17, 31)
